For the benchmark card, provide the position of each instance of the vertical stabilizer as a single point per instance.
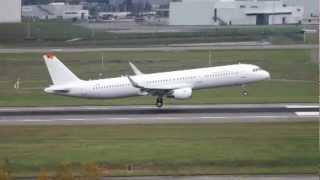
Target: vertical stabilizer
(59, 73)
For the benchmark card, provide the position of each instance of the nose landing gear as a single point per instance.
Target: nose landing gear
(244, 92)
(159, 102)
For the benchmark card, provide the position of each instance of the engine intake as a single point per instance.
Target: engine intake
(182, 93)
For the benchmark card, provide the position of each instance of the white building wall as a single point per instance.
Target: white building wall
(235, 17)
(79, 14)
(191, 12)
(231, 13)
(293, 18)
(311, 7)
(238, 12)
(54, 11)
(10, 11)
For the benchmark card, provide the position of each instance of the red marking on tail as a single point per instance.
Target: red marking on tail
(50, 55)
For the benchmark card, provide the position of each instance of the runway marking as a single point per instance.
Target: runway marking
(34, 120)
(74, 119)
(57, 50)
(308, 114)
(302, 106)
(159, 120)
(169, 118)
(225, 117)
(7, 109)
(121, 118)
(143, 118)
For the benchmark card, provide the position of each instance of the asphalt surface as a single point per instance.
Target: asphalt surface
(173, 47)
(224, 177)
(242, 113)
(213, 177)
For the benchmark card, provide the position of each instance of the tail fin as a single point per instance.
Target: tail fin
(59, 73)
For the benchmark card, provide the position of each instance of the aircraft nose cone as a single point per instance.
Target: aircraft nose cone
(267, 75)
(47, 90)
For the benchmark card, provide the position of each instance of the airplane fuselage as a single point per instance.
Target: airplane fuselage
(193, 79)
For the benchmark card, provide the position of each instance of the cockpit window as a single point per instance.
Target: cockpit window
(256, 69)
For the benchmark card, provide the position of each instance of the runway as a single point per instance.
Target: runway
(212, 177)
(242, 113)
(174, 47)
(223, 177)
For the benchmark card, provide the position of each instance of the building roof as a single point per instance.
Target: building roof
(278, 10)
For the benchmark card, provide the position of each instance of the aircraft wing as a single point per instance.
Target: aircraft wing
(135, 69)
(155, 91)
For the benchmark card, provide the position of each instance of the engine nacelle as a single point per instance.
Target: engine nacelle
(183, 93)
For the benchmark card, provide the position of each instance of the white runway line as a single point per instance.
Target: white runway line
(168, 118)
(302, 106)
(308, 114)
(242, 117)
(34, 120)
(7, 109)
(116, 119)
(73, 119)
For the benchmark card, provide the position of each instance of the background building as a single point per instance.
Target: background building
(235, 12)
(55, 11)
(311, 7)
(10, 11)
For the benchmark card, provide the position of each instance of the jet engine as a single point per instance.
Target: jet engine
(182, 93)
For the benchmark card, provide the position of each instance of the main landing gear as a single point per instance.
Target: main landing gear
(244, 92)
(159, 102)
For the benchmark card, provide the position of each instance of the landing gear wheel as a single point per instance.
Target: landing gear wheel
(244, 93)
(159, 102)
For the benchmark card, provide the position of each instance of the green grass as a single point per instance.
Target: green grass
(268, 148)
(55, 34)
(295, 77)
(311, 38)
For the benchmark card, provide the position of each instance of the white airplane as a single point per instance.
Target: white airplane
(174, 84)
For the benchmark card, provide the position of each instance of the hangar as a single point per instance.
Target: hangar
(236, 12)
(10, 11)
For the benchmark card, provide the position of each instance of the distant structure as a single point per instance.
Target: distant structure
(128, 5)
(10, 11)
(113, 16)
(55, 11)
(311, 9)
(234, 12)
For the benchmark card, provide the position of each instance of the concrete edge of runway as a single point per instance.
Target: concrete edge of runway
(155, 48)
(171, 109)
(207, 177)
(181, 114)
